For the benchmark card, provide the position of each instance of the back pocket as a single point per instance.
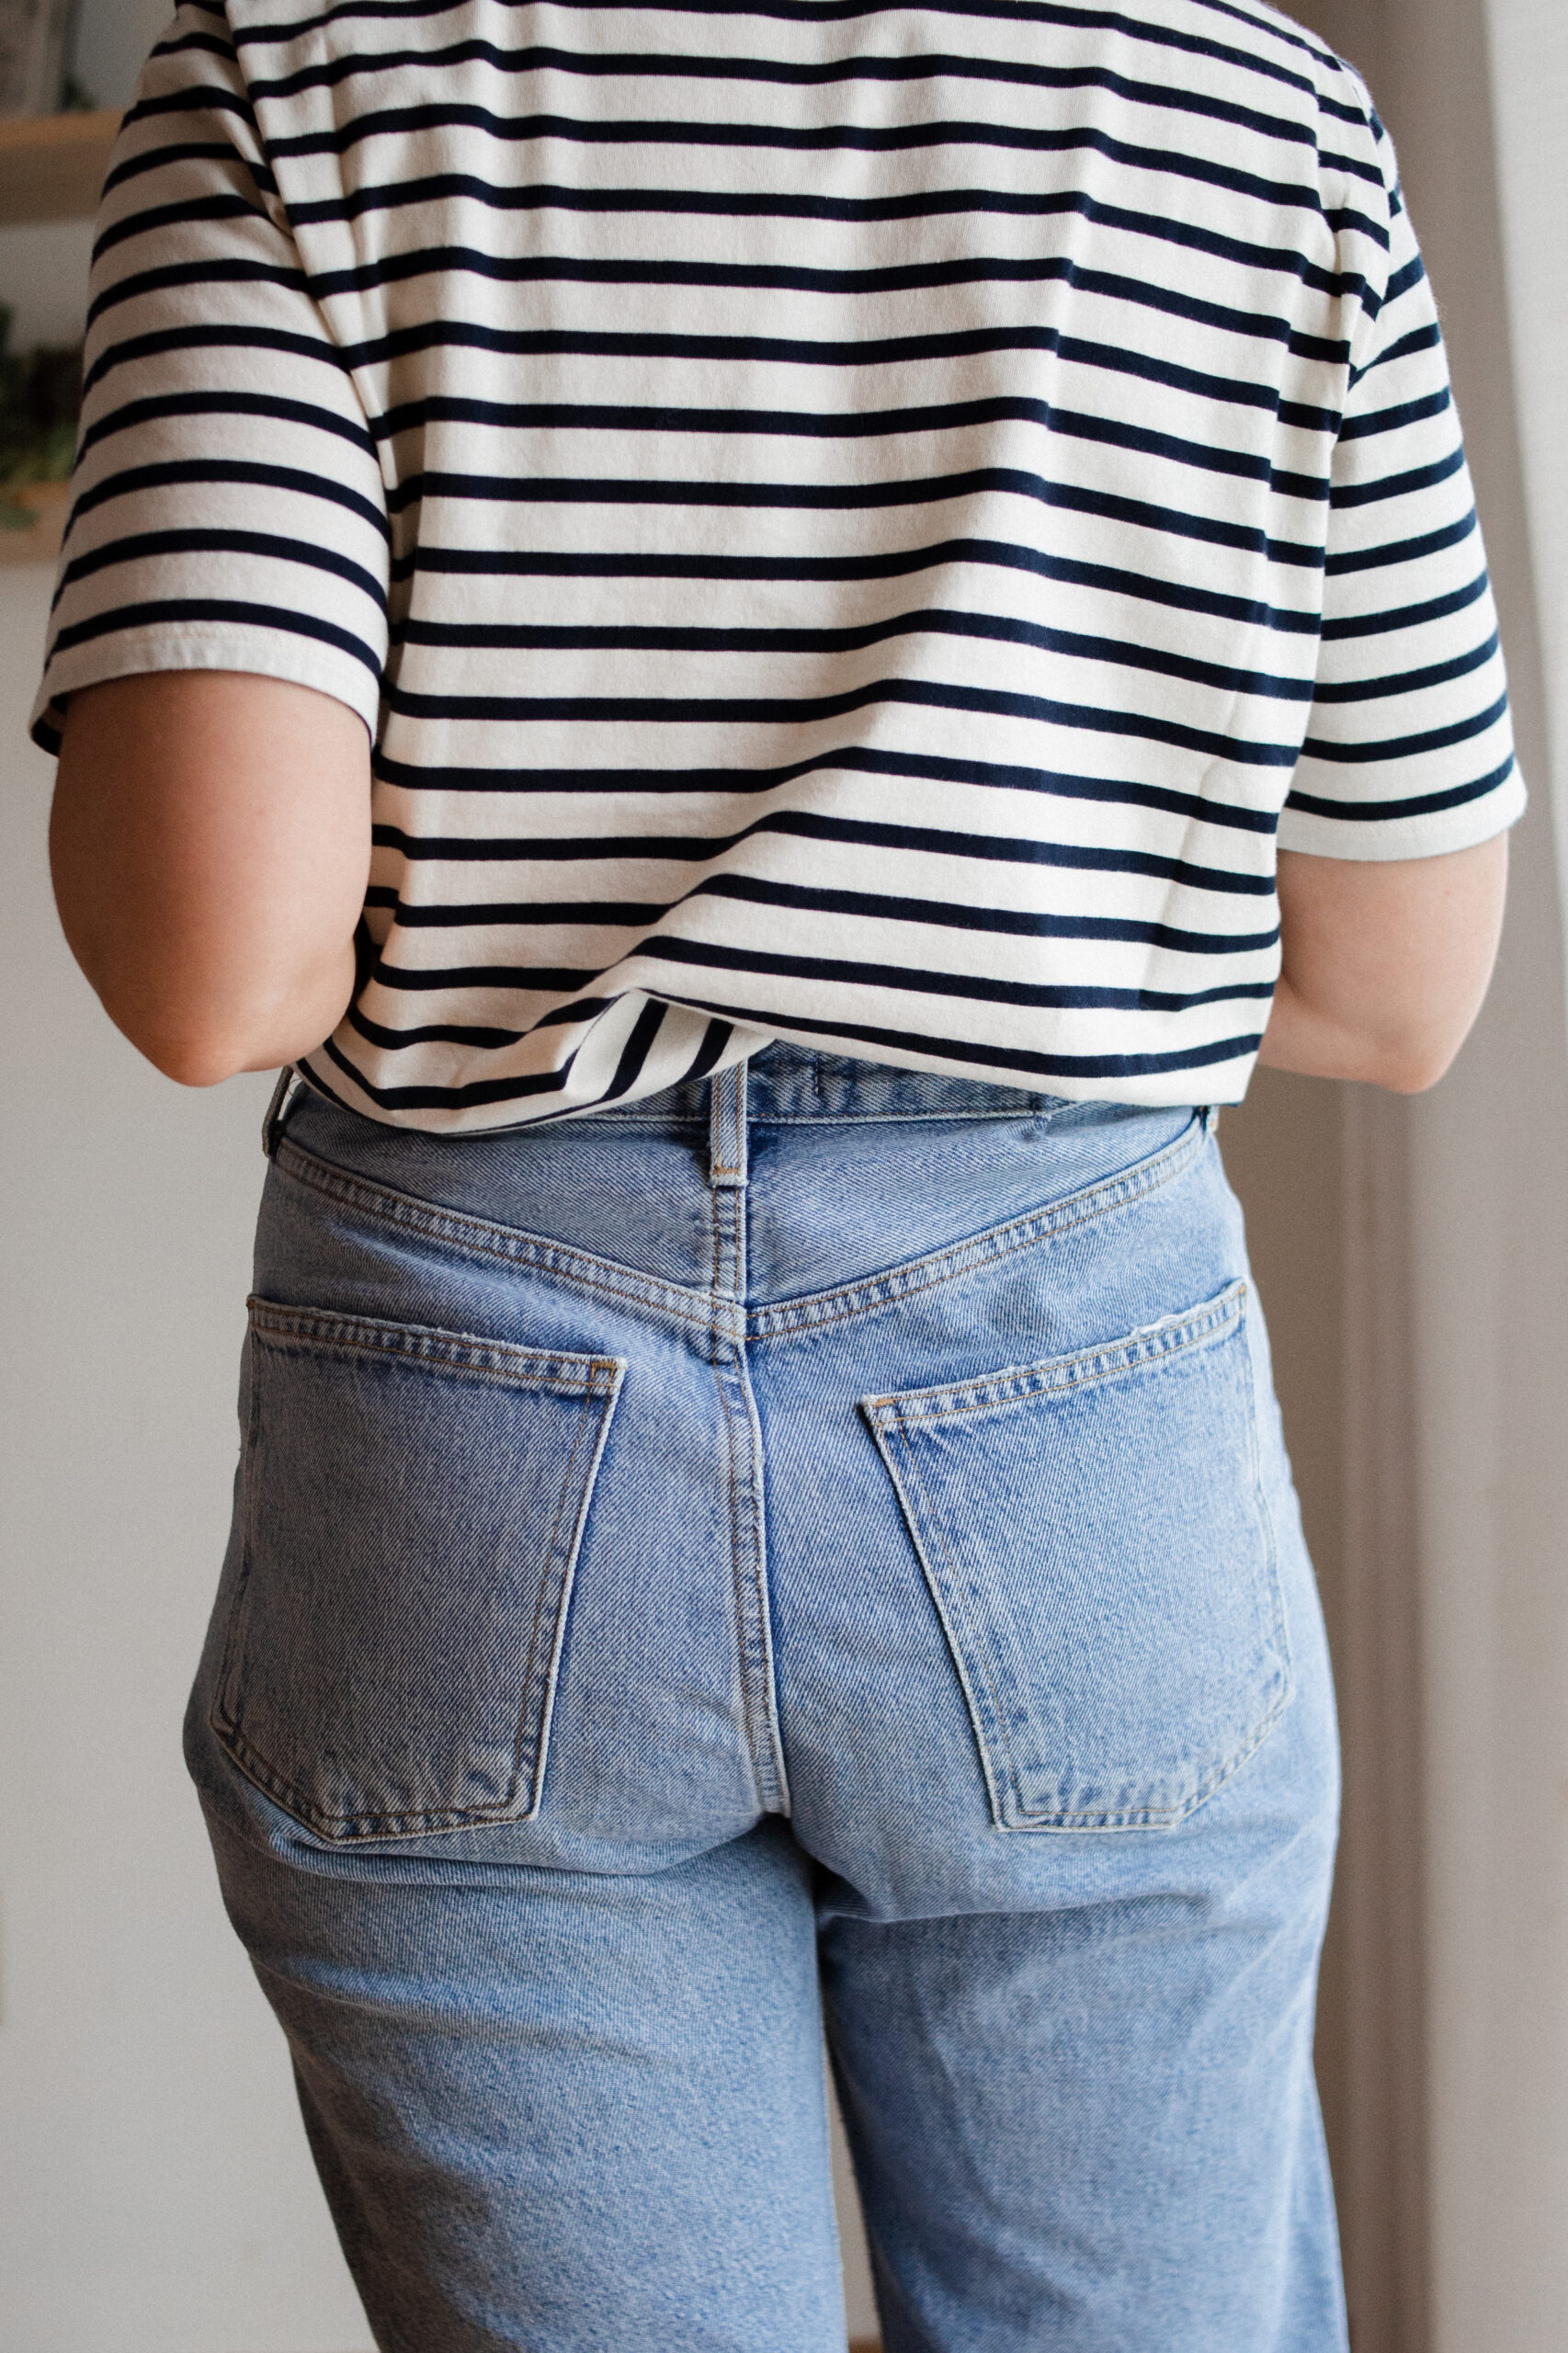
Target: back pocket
(1095, 1536)
(414, 1504)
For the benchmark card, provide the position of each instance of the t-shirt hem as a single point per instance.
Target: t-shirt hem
(1382, 841)
(256, 652)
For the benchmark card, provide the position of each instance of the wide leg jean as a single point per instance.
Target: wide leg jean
(812, 1549)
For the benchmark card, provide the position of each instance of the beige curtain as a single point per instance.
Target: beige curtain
(1452, 1903)
(1529, 43)
(1478, 91)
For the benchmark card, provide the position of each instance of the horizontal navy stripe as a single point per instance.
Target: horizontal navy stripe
(855, 758)
(543, 979)
(186, 404)
(185, 150)
(1419, 340)
(385, 196)
(308, 348)
(167, 216)
(1410, 682)
(130, 482)
(814, 13)
(800, 824)
(182, 612)
(1023, 923)
(853, 498)
(908, 278)
(1409, 748)
(995, 629)
(400, 122)
(864, 351)
(799, 710)
(1402, 485)
(1145, 589)
(1416, 550)
(780, 73)
(1394, 420)
(1402, 617)
(799, 424)
(1423, 805)
(850, 972)
(141, 547)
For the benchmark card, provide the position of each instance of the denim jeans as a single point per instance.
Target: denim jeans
(815, 1548)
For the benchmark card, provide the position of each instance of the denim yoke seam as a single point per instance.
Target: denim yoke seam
(849, 1300)
(581, 1270)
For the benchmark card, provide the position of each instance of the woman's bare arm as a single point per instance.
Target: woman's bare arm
(1386, 965)
(210, 843)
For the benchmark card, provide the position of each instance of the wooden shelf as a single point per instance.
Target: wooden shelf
(52, 165)
(46, 502)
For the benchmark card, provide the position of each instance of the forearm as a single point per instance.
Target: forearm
(209, 843)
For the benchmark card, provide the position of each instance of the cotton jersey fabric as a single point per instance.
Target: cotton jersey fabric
(861, 524)
(783, 1567)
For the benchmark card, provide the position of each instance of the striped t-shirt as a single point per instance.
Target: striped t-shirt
(852, 523)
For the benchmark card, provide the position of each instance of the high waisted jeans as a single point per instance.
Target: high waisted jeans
(815, 1547)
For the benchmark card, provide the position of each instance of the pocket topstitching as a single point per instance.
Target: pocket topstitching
(1097, 1541)
(414, 1503)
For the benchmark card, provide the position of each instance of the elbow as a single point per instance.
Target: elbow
(193, 1062)
(199, 1028)
(1409, 1063)
(192, 1054)
(203, 1046)
(1413, 1073)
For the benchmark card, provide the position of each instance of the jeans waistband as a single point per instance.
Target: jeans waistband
(787, 1082)
(784, 1085)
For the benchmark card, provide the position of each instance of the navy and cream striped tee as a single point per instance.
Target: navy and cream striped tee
(854, 523)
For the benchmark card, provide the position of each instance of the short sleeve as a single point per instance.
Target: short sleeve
(1409, 749)
(228, 511)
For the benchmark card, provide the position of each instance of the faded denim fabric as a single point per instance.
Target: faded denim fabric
(814, 1547)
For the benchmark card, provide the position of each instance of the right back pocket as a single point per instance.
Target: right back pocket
(1095, 1536)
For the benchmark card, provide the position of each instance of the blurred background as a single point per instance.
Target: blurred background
(155, 2196)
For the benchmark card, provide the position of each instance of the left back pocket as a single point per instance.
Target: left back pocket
(414, 1502)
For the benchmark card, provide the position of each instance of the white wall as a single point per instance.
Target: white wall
(156, 2195)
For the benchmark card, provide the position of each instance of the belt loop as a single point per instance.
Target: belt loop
(272, 1126)
(727, 1126)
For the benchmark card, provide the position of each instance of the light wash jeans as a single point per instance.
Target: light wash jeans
(813, 1547)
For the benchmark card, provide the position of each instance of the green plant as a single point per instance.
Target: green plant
(40, 400)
